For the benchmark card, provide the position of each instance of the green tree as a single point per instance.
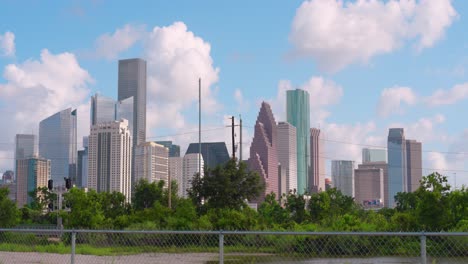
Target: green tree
(296, 206)
(272, 212)
(85, 209)
(41, 197)
(330, 204)
(227, 186)
(9, 214)
(146, 194)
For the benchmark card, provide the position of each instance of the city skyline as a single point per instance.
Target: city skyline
(412, 81)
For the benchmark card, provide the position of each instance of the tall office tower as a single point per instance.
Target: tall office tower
(287, 154)
(413, 164)
(263, 152)
(109, 158)
(82, 167)
(190, 166)
(214, 153)
(298, 115)
(176, 172)
(32, 173)
(132, 82)
(105, 109)
(25, 147)
(152, 163)
(57, 142)
(317, 162)
(174, 150)
(374, 155)
(397, 180)
(368, 186)
(343, 176)
(384, 167)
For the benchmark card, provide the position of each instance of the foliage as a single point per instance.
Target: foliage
(8, 212)
(227, 186)
(146, 194)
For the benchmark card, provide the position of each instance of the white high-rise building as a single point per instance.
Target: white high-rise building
(176, 172)
(190, 167)
(151, 162)
(287, 153)
(109, 158)
(343, 176)
(317, 161)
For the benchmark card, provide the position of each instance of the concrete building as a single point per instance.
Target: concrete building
(214, 153)
(298, 115)
(374, 155)
(57, 142)
(174, 150)
(176, 172)
(263, 151)
(287, 154)
(152, 162)
(191, 163)
(397, 170)
(384, 167)
(317, 162)
(109, 158)
(343, 176)
(414, 164)
(368, 186)
(32, 173)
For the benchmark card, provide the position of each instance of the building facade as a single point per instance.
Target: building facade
(298, 115)
(109, 158)
(174, 150)
(384, 167)
(57, 142)
(374, 155)
(105, 109)
(287, 155)
(397, 179)
(214, 153)
(33, 172)
(343, 176)
(263, 151)
(176, 173)
(369, 187)
(82, 167)
(25, 146)
(413, 164)
(190, 167)
(152, 162)
(317, 162)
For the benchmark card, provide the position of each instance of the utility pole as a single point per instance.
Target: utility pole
(240, 134)
(233, 140)
(199, 127)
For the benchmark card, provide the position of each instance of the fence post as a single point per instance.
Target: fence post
(73, 245)
(423, 249)
(221, 247)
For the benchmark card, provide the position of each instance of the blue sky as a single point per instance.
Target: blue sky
(369, 65)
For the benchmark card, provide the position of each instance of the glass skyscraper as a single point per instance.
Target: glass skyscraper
(105, 109)
(298, 115)
(174, 150)
(373, 155)
(57, 142)
(132, 82)
(214, 153)
(396, 148)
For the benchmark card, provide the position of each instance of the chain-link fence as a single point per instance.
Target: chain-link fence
(105, 246)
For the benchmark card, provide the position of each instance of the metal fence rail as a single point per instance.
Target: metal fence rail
(113, 246)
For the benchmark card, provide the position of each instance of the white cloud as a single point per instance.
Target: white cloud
(177, 58)
(322, 93)
(424, 129)
(445, 97)
(337, 33)
(109, 46)
(7, 44)
(242, 103)
(392, 99)
(36, 89)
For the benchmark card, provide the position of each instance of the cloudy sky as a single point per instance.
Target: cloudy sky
(367, 64)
